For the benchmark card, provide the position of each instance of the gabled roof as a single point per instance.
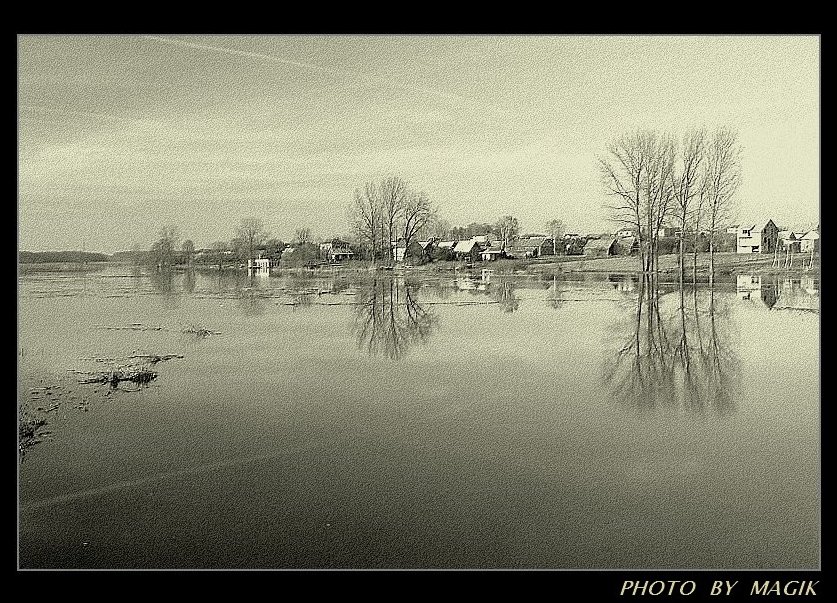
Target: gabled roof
(787, 234)
(493, 249)
(599, 243)
(424, 244)
(811, 234)
(754, 224)
(446, 243)
(465, 246)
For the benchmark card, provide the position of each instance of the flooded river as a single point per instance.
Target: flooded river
(438, 421)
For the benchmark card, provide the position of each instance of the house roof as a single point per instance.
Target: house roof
(811, 234)
(493, 249)
(446, 243)
(753, 223)
(465, 246)
(787, 234)
(627, 241)
(599, 243)
(424, 244)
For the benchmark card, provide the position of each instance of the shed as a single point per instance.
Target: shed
(600, 247)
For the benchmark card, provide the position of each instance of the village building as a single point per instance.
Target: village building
(788, 241)
(810, 241)
(627, 246)
(756, 236)
(531, 247)
(600, 247)
(259, 266)
(336, 251)
(492, 253)
(468, 250)
(625, 232)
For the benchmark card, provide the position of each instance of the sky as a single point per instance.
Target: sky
(120, 135)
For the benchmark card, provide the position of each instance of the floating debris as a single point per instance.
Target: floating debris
(141, 376)
(199, 331)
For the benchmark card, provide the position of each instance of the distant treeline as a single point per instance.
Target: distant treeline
(43, 257)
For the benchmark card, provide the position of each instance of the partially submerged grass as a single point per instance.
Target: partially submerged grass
(28, 432)
(140, 375)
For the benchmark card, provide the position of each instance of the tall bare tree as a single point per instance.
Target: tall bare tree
(416, 213)
(393, 193)
(302, 235)
(687, 185)
(556, 229)
(163, 248)
(623, 171)
(188, 251)
(507, 228)
(723, 177)
(251, 234)
(365, 217)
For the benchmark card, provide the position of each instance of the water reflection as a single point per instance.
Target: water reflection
(679, 353)
(780, 292)
(389, 318)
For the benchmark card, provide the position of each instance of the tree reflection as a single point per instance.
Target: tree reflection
(389, 318)
(503, 293)
(251, 300)
(679, 354)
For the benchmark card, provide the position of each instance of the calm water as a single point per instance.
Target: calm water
(454, 421)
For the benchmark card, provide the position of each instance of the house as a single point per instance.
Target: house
(259, 266)
(468, 250)
(492, 253)
(756, 236)
(336, 251)
(810, 241)
(446, 244)
(531, 247)
(788, 241)
(625, 232)
(600, 247)
(418, 251)
(627, 246)
(666, 231)
(399, 249)
(484, 239)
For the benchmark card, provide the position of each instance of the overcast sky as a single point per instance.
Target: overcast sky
(119, 135)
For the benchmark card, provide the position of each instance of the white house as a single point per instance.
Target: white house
(756, 236)
(811, 240)
(259, 266)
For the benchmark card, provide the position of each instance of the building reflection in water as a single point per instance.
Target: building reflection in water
(389, 318)
(780, 292)
(676, 352)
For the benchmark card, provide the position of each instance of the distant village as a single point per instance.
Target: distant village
(753, 236)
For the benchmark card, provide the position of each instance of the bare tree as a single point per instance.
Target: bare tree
(622, 173)
(393, 193)
(507, 228)
(302, 235)
(188, 251)
(163, 248)
(687, 185)
(416, 213)
(723, 176)
(555, 228)
(365, 217)
(251, 235)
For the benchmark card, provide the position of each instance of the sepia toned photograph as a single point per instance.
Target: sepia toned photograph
(418, 302)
